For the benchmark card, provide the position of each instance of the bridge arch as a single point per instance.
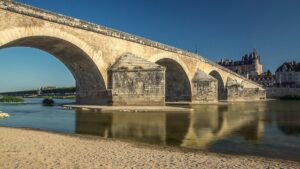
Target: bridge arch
(71, 51)
(222, 95)
(178, 86)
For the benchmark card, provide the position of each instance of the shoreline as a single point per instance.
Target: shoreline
(23, 147)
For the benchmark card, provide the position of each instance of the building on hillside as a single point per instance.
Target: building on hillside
(266, 79)
(288, 75)
(250, 65)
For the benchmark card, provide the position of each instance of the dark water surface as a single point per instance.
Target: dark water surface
(270, 129)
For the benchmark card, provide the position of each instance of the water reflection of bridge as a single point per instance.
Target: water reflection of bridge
(212, 123)
(197, 129)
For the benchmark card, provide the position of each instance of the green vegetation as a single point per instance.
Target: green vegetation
(11, 99)
(61, 97)
(53, 97)
(56, 93)
(60, 90)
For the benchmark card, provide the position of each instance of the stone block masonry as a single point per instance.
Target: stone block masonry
(237, 92)
(277, 92)
(137, 82)
(205, 88)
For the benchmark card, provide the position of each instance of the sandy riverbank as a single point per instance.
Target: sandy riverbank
(20, 148)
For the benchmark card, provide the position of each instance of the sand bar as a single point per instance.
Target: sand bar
(130, 108)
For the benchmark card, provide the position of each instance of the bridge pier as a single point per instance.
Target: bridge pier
(93, 97)
(204, 88)
(238, 92)
(134, 81)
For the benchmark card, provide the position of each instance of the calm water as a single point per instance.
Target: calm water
(270, 129)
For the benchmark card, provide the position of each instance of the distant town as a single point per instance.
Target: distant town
(284, 82)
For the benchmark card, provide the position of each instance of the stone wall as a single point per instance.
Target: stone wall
(238, 93)
(205, 91)
(276, 92)
(136, 82)
(138, 87)
(204, 88)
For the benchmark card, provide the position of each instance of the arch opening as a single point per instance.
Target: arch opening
(177, 84)
(90, 85)
(222, 94)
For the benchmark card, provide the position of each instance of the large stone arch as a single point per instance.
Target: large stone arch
(178, 85)
(74, 53)
(222, 95)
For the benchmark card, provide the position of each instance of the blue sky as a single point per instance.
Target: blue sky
(217, 28)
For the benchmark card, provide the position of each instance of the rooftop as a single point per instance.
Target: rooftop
(289, 66)
(247, 59)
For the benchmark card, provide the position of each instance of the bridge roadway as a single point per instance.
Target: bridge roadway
(116, 68)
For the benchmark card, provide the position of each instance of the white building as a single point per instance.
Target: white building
(288, 74)
(250, 65)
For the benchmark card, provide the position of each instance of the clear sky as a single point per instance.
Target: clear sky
(217, 28)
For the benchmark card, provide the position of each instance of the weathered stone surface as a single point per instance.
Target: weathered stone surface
(135, 81)
(277, 92)
(237, 92)
(131, 62)
(89, 50)
(205, 88)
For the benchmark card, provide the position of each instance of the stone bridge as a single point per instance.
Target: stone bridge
(113, 67)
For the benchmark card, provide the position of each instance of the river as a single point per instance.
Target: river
(269, 129)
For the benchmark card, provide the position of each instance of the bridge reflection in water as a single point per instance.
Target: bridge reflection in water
(270, 129)
(198, 129)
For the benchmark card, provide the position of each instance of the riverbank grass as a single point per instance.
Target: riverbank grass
(71, 97)
(11, 99)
